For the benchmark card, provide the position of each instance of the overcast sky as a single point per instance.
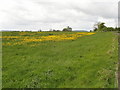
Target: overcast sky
(56, 14)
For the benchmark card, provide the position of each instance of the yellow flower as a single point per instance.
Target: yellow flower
(21, 40)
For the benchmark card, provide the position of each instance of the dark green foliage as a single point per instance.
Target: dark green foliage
(109, 29)
(95, 29)
(67, 29)
(100, 27)
(117, 29)
(56, 30)
(90, 30)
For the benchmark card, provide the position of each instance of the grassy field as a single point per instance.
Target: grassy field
(75, 61)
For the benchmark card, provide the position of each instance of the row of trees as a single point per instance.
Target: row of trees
(100, 27)
(64, 29)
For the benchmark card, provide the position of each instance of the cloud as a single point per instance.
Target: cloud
(57, 14)
(106, 10)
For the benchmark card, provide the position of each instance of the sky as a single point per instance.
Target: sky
(56, 14)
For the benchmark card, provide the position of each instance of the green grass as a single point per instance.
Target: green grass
(87, 62)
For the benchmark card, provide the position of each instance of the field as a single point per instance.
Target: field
(59, 59)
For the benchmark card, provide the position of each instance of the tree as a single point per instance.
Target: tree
(96, 26)
(67, 29)
(95, 29)
(110, 29)
(54, 30)
(40, 30)
(99, 26)
(90, 30)
(117, 29)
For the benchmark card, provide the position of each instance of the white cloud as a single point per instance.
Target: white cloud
(56, 14)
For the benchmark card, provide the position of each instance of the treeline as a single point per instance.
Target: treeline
(100, 27)
(64, 29)
(67, 29)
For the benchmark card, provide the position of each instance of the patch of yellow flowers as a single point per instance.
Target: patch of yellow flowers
(8, 37)
(19, 40)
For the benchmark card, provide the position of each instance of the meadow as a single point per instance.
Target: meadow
(59, 59)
